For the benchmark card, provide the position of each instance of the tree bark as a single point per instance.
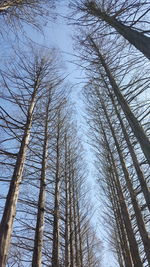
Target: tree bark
(56, 230)
(139, 40)
(131, 237)
(140, 175)
(119, 221)
(13, 193)
(79, 232)
(75, 226)
(139, 219)
(130, 234)
(71, 239)
(135, 126)
(38, 240)
(67, 260)
(88, 251)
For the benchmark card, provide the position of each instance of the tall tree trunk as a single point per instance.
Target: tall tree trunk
(71, 217)
(130, 234)
(135, 126)
(38, 240)
(139, 219)
(56, 230)
(88, 251)
(13, 193)
(75, 226)
(119, 222)
(67, 260)
(79, 231)
(139, 40)
(119, 251)
(139, 173)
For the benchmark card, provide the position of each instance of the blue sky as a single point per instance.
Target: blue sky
(57, 33)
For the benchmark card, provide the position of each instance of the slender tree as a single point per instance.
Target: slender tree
(136, 127)
(95, 99)
(30, 81)
(123, 17)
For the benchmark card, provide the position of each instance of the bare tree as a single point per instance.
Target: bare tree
(96, 99)
(140, 222)
(56, 222)
(136, 127)
(30, 79)
(16, 13)
(124, 17)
